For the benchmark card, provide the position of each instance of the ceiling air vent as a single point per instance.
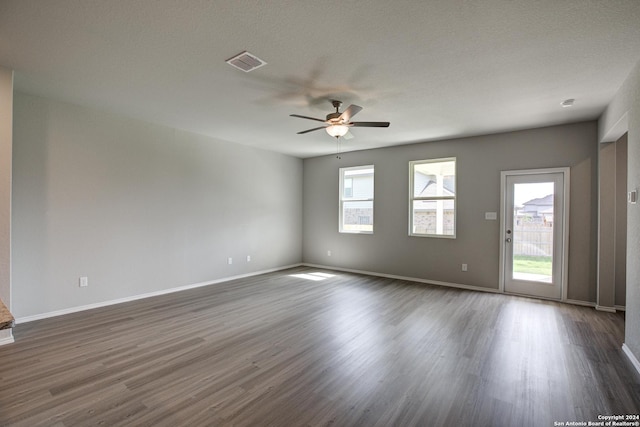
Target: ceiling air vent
(246, 62)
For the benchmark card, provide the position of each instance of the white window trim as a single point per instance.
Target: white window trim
(454, 198)
(341, 200)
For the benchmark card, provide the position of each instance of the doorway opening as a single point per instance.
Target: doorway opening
(534, 232)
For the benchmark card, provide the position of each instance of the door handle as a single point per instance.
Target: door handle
(508, 240)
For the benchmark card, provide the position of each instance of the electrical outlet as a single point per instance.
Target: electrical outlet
(229, 260)
(464, 267)
(248, 258)
(83, 282)
(328, 253)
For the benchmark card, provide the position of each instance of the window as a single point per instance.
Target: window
(432, 199)
(356, 200)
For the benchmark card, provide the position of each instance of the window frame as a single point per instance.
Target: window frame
(341, 198)
(413, 198)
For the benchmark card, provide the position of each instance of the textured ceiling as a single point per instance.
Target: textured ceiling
(434, 69)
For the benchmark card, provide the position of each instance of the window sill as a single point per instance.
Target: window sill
(437, 236)
(355, 232)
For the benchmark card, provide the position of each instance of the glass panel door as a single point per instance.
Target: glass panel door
(533, 234)
(533, 231)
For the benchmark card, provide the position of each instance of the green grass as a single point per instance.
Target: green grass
(532, 264)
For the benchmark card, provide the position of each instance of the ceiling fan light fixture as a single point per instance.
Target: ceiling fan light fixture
(337, 130)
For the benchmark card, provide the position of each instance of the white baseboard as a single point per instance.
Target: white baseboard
(411, 279)
(582, 303)
(7, 340)
(435, 282)
(76, 309)
(632, 358)
(605, 308)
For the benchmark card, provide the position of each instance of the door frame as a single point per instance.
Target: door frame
(565, 224)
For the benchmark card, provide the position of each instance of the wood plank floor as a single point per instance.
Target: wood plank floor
(347, 350)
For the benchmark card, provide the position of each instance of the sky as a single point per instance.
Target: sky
(525, 192)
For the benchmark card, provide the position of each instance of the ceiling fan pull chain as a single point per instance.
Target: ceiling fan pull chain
(338, 148)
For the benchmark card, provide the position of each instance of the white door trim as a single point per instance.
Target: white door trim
(565, 224)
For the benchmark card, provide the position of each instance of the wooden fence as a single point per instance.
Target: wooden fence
(533, 239)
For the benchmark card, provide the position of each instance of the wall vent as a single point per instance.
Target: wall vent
(246, 62)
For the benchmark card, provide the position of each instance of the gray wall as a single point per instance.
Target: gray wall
(621, 221)
(480, 159)
(612, 232)
(622, 115)
(138, 207)
(607, 225)
(6, 111)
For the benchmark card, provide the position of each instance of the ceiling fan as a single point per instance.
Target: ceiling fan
(337, 124)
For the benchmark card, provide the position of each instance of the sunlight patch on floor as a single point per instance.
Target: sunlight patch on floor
(315, 276)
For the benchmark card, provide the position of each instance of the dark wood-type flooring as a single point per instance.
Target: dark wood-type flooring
(348, 350)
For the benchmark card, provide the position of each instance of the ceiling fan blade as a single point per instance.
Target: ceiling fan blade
(348, 135)
(370, 124)
(306, 117)
(311, 130)
(351, 111)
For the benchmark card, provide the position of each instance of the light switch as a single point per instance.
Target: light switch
(492, 216)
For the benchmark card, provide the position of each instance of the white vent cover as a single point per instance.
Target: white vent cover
(246, 62)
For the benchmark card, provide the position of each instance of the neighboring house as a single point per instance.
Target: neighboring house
(538, 210)
(427, 214)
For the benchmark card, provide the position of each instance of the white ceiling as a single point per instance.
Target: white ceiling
(434, 69)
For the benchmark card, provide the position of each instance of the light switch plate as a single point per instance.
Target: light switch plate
(492, 216)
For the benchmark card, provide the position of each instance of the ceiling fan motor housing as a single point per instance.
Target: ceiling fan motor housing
(333, 116)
